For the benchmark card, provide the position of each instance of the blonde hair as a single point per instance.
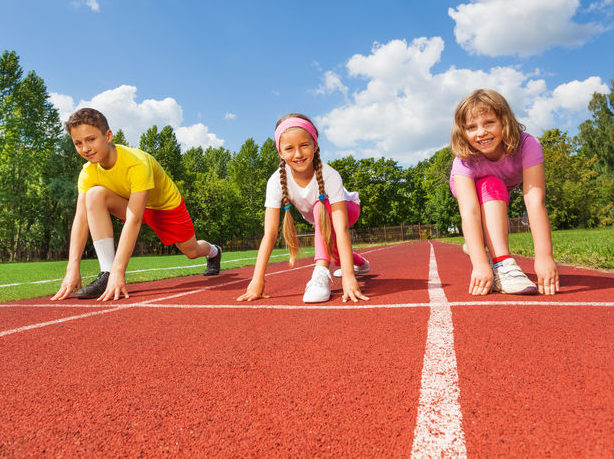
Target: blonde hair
(288, 228)
(482, 100)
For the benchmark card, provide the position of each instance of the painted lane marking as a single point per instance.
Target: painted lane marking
(46, 281)
(439, 431)
(532, 303)
(59, 321)
(170, 268)
(253, 305)
(143, 303)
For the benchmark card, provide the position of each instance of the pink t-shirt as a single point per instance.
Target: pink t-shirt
(508, 169)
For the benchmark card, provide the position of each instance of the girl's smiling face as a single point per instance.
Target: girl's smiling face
(484, 132)
(297, 148)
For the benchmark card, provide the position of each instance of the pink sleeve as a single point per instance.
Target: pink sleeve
(531, 151)
(460, 167)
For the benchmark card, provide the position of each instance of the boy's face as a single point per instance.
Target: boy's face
(91, 143)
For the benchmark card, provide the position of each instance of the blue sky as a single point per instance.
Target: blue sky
(379, 78)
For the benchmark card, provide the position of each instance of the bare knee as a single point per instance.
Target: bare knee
(95, 197)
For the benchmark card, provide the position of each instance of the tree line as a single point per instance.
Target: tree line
(224, 191)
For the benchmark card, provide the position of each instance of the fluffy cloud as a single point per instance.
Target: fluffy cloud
(230, 116)
(124, 112)
(571, 97)
(331, 84)
(197, 135)
(91, 4)
(522, 27)
(405, 111)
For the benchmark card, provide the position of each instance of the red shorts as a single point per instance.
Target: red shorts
(171, 226)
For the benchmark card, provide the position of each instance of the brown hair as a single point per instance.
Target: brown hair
(289, 230)
(89, 116)
(479, 101)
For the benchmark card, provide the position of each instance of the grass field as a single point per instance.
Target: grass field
(44, 278)
(590, 248)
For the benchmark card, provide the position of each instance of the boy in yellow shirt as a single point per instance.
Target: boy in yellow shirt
(130, 184)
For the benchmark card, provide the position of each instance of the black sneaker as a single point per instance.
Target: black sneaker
(95, 288)
(213, 264)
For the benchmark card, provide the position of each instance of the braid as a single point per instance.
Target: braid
(288, 230)
(323, 217)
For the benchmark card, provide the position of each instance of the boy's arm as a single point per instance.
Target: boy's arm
(534, 190)
(78, 238)
(130, 232)
(471, 217)
(255, 289)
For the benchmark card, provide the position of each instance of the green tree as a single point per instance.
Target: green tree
(441, 208)
(572, 199)
(29, 133)
(60, 184)
(163, 146)
(216, 160)
(216, 208)
(383, 186)
(596, 137)
(249, 171)
(119, 138)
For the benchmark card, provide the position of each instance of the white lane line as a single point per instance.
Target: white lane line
(307, 307)
(439, 431)
(46, 281)
(59, 321)
(169, 268)
(141, 303)
(366, 305)
(532, 303)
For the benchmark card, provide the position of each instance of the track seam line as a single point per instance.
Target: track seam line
(439, 431)
(248, 305)
(140, 303)
(59, 321)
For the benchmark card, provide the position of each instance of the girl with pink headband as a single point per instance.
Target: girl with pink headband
(316, 190)
(493, 156)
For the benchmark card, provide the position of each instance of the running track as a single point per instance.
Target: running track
(422, 369)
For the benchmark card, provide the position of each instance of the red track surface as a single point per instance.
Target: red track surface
(185, 369)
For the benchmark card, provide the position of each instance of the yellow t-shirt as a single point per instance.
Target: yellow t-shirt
(133, 171)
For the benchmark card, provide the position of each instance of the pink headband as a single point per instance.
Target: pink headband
(295, 122)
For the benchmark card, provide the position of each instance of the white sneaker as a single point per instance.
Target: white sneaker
(318, 288)
(362, 269)
(509, 278)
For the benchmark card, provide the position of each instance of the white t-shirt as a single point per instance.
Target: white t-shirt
(305, 198)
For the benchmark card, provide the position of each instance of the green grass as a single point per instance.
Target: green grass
(11, 273)
(590, 248)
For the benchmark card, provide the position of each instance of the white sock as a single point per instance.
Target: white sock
(212, 251)
(105, 251)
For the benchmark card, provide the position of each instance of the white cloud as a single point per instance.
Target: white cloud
(123, 112)
(331, 84)
(519, 27)
(93, 5)
(405, 110)
(547, 112)
(230, 116)
(197, 135)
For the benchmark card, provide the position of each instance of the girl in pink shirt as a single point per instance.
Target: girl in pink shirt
(493, 156)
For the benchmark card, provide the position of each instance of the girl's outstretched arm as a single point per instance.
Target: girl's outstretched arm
(351, 290)
(255, 289)
(534, 190)
(471, 217)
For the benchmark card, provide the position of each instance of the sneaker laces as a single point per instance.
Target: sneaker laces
(319, 279)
